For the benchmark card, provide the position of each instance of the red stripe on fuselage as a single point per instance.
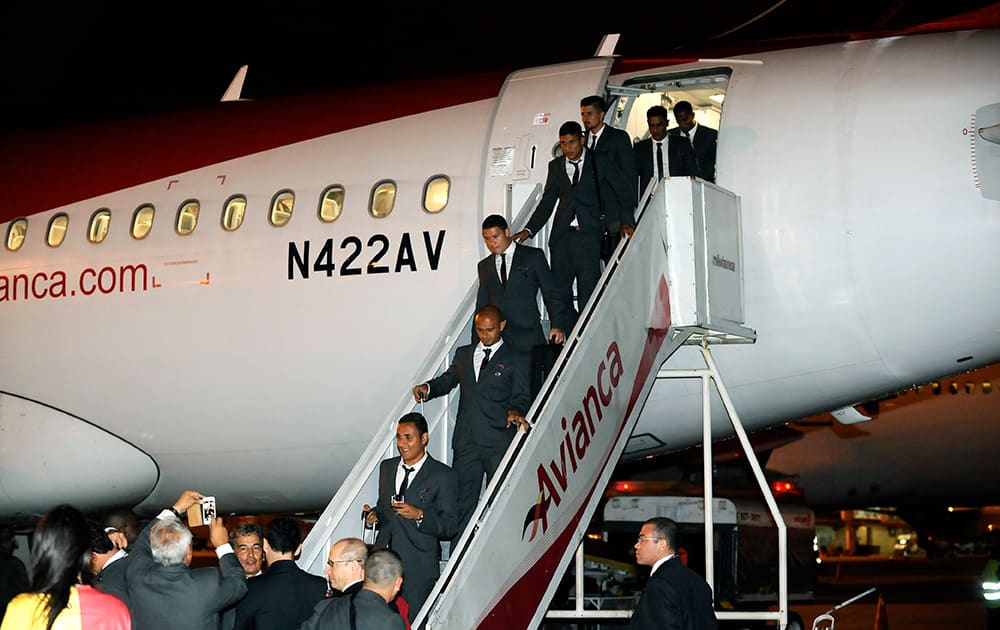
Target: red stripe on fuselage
(52, 168)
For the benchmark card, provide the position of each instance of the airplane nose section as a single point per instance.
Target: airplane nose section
(48, 457)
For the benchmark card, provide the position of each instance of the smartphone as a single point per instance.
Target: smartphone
(397, 499)
(203, 513)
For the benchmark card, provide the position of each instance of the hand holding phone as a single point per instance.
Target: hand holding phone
(201, 513)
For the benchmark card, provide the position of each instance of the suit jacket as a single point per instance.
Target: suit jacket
(675, 598)
(600, 173)
(111, 579)
(677, 153)
(483, 405)
(164, 598)
(705, 141)
(527, 273)
(279, 599)
(371, 610)
(434, 489)
(617, 145)
(350, 590)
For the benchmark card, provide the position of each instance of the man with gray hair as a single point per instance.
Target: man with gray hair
(370, 605)
(165, 592)
(248, 545)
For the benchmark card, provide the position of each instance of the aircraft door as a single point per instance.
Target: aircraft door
(525, 130)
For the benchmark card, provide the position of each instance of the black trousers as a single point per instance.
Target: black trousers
(576, 256)
(470, 462)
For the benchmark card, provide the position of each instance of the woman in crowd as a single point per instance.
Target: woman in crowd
(60, 559)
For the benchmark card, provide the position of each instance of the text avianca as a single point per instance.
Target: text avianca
(576, 441)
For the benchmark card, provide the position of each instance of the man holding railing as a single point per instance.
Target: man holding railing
(494, 396)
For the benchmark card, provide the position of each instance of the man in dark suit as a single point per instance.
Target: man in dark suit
(510, 279)
(107, 563)
(602, 138)
(702, 140)
(417, 508)
(614, 143)
(166, 594)
(675, 597)
(345, 568)
(370, 605)
(284, 596)
(583, 182)
(661, 155)
(493, 398)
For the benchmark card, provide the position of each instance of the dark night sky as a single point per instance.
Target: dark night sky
(84, 62)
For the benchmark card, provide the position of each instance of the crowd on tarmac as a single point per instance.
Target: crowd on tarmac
(111, 574)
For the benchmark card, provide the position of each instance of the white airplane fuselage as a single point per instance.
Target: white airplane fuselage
(869, 255)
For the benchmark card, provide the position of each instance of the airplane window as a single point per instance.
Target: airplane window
(99, 223)
(142, 221)
(57, 230)
(15, 234)
(187, 217)
(383, 198)
(232, 214)
(436, 194)
(331, 203)
(281, 208)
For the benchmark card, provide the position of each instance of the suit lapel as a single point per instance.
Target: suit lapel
(561, 163)
(515, 262)
(425, 471)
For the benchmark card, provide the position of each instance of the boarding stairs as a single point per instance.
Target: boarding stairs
(677, 280)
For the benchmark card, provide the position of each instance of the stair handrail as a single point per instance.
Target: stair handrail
(455, 333)
(538, 406)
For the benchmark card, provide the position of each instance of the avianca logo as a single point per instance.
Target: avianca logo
(575, 443)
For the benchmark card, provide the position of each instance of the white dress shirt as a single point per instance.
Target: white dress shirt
(657, 564)
(400, 473)
(569, 173)
(509, 254)
(691, 132)
(666, 157)
(480, 352)
(594, 138)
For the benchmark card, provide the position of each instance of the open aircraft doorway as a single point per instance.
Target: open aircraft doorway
(704, 88)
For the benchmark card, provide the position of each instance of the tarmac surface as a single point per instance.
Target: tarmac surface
(919, 593)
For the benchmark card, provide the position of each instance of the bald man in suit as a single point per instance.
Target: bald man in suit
(492, 377)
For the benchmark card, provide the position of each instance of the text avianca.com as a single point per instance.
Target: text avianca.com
(41, 285)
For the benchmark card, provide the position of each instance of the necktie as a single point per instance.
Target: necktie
(406, 481)
(576, 171)
(486, 360)
(593, 141)
(659, 159)
(503, 269)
